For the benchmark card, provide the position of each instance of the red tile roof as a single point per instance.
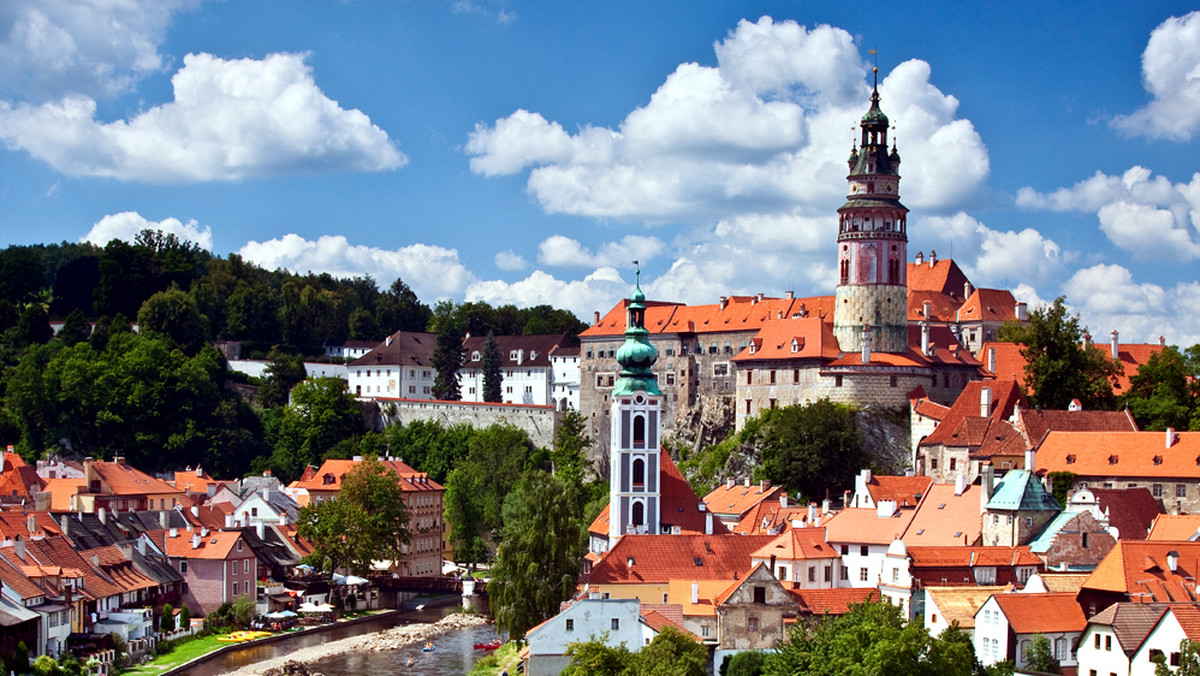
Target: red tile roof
(1174, 527)
(770, 517)
(18, 479)
(1042, 613)
(1005, 557)
(658, 559)
(741, 313)
(657, 621)
(402, 348)
(945, 519)
(218, 545)
(120, 478)
(1141, 570)
(1130, 510)
(905, 491)
(329, 476)
(858, 525)
(678, 504)
(790, 339)
(942, 306)
(798, 543)
(534, 349)
(740, 498)
(1036, 423)
(989, 305)
(943, 276)
(964, 425)
(1010, 363)
(820, 602)
(1121, 454)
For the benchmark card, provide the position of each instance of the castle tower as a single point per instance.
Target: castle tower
(872, 243)
(634, 493)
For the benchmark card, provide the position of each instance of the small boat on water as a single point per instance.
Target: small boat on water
(428, 648)
(243, 636)
(489, 646)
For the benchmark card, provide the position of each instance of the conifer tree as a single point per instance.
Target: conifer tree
(491, 370)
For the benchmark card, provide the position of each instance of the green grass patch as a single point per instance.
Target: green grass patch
(184, 651)
(504, 658)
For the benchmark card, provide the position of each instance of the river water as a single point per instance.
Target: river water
(453, 652)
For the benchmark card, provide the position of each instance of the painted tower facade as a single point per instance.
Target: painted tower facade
(872, 292)
(634, 493)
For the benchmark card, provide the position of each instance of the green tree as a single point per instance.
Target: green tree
(1041, 656)
(367, 521)
(464, 519)
(1165, 391)
(167, 624)
(492, 378)
(400, 310)
(871, 639)
(174, 315)
(33, 326)
(321, 415)
(1057, 367)
(814, 449)
(537, 563)
(1189, 661)
(284, 372)
(185, 617)
(672, 653)
(75, 329)
(595, 657)
(448, 358)
(748, 663)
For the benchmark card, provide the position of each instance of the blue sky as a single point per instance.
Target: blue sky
(527, 152)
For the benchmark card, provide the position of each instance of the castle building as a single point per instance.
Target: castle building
(871, 307)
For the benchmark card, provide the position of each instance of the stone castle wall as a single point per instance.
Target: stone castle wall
(883, 306)
(538, 421)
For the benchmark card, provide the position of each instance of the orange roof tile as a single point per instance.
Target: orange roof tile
(329, 476)
(930, 409)
(17, 478)
(790, 339)
(820, 602)
(1188, 616)
(941, 306)
(1141, 569)
(740, 313)
(964, 425)
(1120, 454)
(858, 525)
(642, 559)
(991, 305)
(905, 491)
(769, 517)
(1010, 363)
(1036, 422)
(61, 491)
(1001, 557)
(1042, 613)
(193, 480)
(946, 519)
(121, 478)
(798, 543)
(740, 497)
(679, 591)
(657, 621)
(1175, 527)
(943, 276)
(215, 545)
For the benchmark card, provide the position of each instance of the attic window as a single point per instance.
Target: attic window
(629, 562)
(1158, 460)
(942, 506)
(958, 534)
(698, 561)
(1071, 460)
(921, 531)
(475, 356)
(1112, 459)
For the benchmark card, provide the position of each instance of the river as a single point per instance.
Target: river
(454, 651)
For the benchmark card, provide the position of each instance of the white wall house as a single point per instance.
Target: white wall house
(564, 385)
(526, 371)
(1177, 623)
(401, 367)
(619, 621)
(1006, 625)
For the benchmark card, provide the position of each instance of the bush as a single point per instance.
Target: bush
(185, 618)
(167, 624)
(45, 665)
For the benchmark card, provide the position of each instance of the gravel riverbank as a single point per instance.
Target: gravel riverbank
(389, 639)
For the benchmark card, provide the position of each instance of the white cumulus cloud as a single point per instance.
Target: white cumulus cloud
(1108, 298)
(594, 293)
(126, 225)
(765, 131)
(1146, 215)
(1171, 75)
(230, 120)
(431, 271)
(559, 250)
(991, 257)
(510, 260)
(99, 48)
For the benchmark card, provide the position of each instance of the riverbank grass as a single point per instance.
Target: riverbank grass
(184, 651)
(505, 658)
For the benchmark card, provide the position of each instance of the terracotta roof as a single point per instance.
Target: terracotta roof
(15, 580)
(790, 339)
(1000, 557)
(741, 313)
(1141, 570)
(215, 545)
(740, 498)
(535, 349)
(193, 480)
(964, 425)
(406, 348)
(680, 592)
(946, 519)
(657, 621)
(769, 517)
(61, 491)
(1036, 423)
(943, 276)
(1130, 622)
(859, 525)
(905, 491)
(16, 523)
(661, 558)
(1175, 527)
(930, 409)
(57, 551)
(1042, 613)
(17, 478)
(118, 568)
(1000, 439)
(1121, 454)
(1010, 363)
(818, 602)
(942, 306)
(121, 478)
(944, 350)
(1188, 617)
(329, 476)
(1130, 510)
(678, 504)
(959, 604)
(798, 543)
(989, 305)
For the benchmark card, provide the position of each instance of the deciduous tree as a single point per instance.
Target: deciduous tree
(1165, 391)
(814, 448)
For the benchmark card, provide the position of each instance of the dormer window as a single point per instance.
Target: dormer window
(1112, 459)
(475, 356)
(1158, 460)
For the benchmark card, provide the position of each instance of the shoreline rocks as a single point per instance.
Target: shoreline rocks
(296, 663)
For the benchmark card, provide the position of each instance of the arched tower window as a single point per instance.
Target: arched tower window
(639, 431)
(845, 271)
(638, 514)
(639, 472)
(893, 271)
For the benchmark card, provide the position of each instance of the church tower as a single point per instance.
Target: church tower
(634, 494)
(872, 292)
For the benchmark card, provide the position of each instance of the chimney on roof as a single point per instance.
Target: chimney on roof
(991, 360)
(259, 529)
(1173, 560)
(1086, 338)
(825, 506)
(960, 484)
(764, 486)
(203, 531)
(19, 546)
(730, 482)
(195, 541)
(199, 472)
(1021, 311)
(885, 509)
(1075, 405)
(1172, 437)
(65, 526)
(164, 519)
(812, 513)
(229, 521)
(595, 317)
(387, 341)
(31, 524)
(986, 480)
(358, 458)
(789, 295)
(866, 344)
(102, 514)
(758, 297)
(925, 338)
(174, 532)
(932, 258)
(695, 593)
(746, 482)
(783, 499)
(926, 308)
(708, 523)
(920, 258)
(967, 290)
(1031, 460)
(1116, 350)
(196, 511)
(985, 402)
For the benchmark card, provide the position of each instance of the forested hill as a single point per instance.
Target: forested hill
(239, 300)
(162, 397)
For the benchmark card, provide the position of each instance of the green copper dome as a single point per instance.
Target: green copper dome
(636, 355)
